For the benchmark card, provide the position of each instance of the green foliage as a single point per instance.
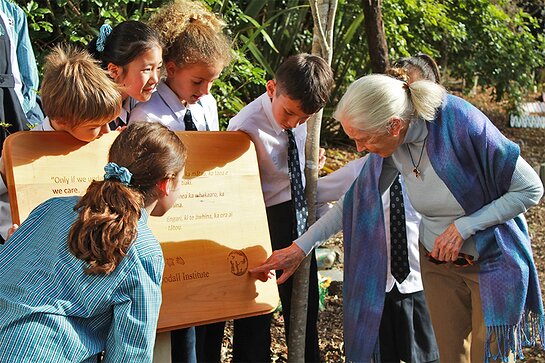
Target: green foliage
(77, 21)
(266, 32)
(500, 49)
(492, 42)
(230, 89)
(414, 26)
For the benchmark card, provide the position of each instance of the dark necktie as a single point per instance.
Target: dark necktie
(297, 191)
(188, 121)
(399, 255)
(118, 122)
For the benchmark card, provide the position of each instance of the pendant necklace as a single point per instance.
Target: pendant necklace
(415, 167)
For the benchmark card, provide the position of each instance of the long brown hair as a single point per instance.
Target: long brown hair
(109, 211)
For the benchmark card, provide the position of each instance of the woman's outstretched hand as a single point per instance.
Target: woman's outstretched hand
(262, 276)
(286, 259)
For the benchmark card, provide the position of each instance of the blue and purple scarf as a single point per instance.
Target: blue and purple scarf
(476, 162)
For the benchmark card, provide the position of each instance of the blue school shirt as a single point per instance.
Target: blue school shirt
(51, 311)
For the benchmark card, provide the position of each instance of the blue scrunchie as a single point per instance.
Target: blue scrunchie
(105, 30)
(114, 171)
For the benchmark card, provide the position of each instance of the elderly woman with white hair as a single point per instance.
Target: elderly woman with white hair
(471, 186)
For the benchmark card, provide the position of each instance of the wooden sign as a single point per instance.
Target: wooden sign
(216, 231)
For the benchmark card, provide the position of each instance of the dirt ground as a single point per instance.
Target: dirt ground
(532, 142)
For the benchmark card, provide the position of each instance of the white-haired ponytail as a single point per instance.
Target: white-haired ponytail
(426, 97)
(372, 101)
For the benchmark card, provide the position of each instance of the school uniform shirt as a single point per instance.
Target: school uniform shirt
(165, 107)
(271, 143)
(52, 311)
(124, 115)
(5, 210)
(333, 187)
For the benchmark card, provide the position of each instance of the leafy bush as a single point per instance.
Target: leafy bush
(489, 43)
(492, 43)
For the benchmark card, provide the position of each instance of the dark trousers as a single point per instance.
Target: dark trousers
(406, 332)
(209, 341)
(252, 338)
(183, 346)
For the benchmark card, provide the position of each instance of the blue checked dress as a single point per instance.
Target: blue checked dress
(51, 311)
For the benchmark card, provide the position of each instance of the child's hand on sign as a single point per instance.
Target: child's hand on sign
(12, 230)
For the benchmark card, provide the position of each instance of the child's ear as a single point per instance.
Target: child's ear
(114, 71)
(58, 125)
(171, 68)
(164, 186)
(271, 87)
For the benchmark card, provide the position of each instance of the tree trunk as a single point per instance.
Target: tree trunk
(443, 62)
(323, 13)
(376, 38)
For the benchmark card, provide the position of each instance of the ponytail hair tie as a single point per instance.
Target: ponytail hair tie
(116, 172)
(105, 30)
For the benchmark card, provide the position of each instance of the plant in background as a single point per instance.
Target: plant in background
(490, 43)
(230, 90)
(501, 50)
(493, 44)
(77, 21)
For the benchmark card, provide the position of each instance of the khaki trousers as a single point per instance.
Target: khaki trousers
(454, 302)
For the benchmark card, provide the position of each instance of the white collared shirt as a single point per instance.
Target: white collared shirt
(44, 126)
(165, 107)
(271, 143)
(338, 183)
(128, 105)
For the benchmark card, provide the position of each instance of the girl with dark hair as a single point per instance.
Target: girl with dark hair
(83, 275)
(132, 54)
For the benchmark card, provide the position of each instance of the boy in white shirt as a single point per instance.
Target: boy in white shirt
(301, 87)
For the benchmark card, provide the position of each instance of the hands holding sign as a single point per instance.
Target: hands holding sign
(286, 259)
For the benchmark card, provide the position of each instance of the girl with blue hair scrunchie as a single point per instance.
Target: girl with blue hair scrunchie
(85, 272)
(116, 172)
(131, 52)
(103, 33)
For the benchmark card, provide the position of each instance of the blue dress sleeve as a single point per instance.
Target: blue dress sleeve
(134, 323)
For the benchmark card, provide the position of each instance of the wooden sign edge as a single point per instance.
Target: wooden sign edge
(211, 321)
(14, 206)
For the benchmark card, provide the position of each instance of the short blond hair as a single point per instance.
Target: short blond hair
(191, 34)
(75, 90)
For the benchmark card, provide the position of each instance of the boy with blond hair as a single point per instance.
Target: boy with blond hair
(78, 97)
